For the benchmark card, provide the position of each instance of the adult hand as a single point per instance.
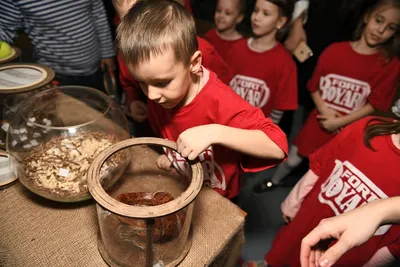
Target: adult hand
(346, 229)
(122, 6)
(296, 36)
(138, 111)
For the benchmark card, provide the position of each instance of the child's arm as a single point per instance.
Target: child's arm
(107, 51)
(333, 123)
(10, 21)
(255, 143)
(291, 205)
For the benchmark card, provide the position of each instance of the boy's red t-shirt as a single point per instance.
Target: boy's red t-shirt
(223, 47)
(216, 103)
(211, 60)
(267, 80)
(350, 175)
(347, 81)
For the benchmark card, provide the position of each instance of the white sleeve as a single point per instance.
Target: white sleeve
(292, 203)
(300, 8)
(382, 257)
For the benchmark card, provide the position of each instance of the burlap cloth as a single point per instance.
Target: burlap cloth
(38, 232)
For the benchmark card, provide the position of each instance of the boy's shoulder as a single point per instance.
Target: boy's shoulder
(218, 94)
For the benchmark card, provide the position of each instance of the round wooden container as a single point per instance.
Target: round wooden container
(18, 81)
(113, 214)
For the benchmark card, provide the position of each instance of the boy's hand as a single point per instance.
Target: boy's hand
(195, 140)
(122, 6)
(138, 111)
(164, 163)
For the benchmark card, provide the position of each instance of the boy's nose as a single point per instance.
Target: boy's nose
(153, 94)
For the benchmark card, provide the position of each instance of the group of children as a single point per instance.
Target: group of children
(221, 103)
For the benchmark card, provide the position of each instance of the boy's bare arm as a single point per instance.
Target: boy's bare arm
(255, 143)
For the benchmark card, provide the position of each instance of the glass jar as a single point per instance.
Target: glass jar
(145, 218)
(18, 81)
(55, 135)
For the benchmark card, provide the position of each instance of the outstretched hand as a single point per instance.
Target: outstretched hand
(346, 229)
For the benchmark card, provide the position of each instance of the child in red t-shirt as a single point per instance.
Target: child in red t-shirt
(351, 81)
(264, 72)
(358, 166)
(188, 103)
(228, 14)
(135, 99)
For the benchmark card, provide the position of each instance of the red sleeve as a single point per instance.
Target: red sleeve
(129, 85)
(116, 20)
(236, 112)
(394, 249)
(188, 6)
(286, 97)
(213, 61)
(385, 85)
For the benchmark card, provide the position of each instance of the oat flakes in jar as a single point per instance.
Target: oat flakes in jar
(56, 134)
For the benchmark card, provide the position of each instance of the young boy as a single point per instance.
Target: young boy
(189, 105)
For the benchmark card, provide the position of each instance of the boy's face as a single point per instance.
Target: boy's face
(227, 15)
(163, 80)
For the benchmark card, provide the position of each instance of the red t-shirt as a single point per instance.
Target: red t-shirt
(216, 103)
(211, 60)
(267, 80)
(346, 85)
(350, 175)
(188, 6)
(222, 46)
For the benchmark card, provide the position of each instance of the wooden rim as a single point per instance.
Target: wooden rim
(16, 52)
(113, 205)
(47, 76)
(4, 154)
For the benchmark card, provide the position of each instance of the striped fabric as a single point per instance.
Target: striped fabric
(70, 36)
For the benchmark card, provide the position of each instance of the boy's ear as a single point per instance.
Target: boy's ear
(195, 62)
(281, 22)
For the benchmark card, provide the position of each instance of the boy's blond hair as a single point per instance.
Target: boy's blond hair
(152, 27)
